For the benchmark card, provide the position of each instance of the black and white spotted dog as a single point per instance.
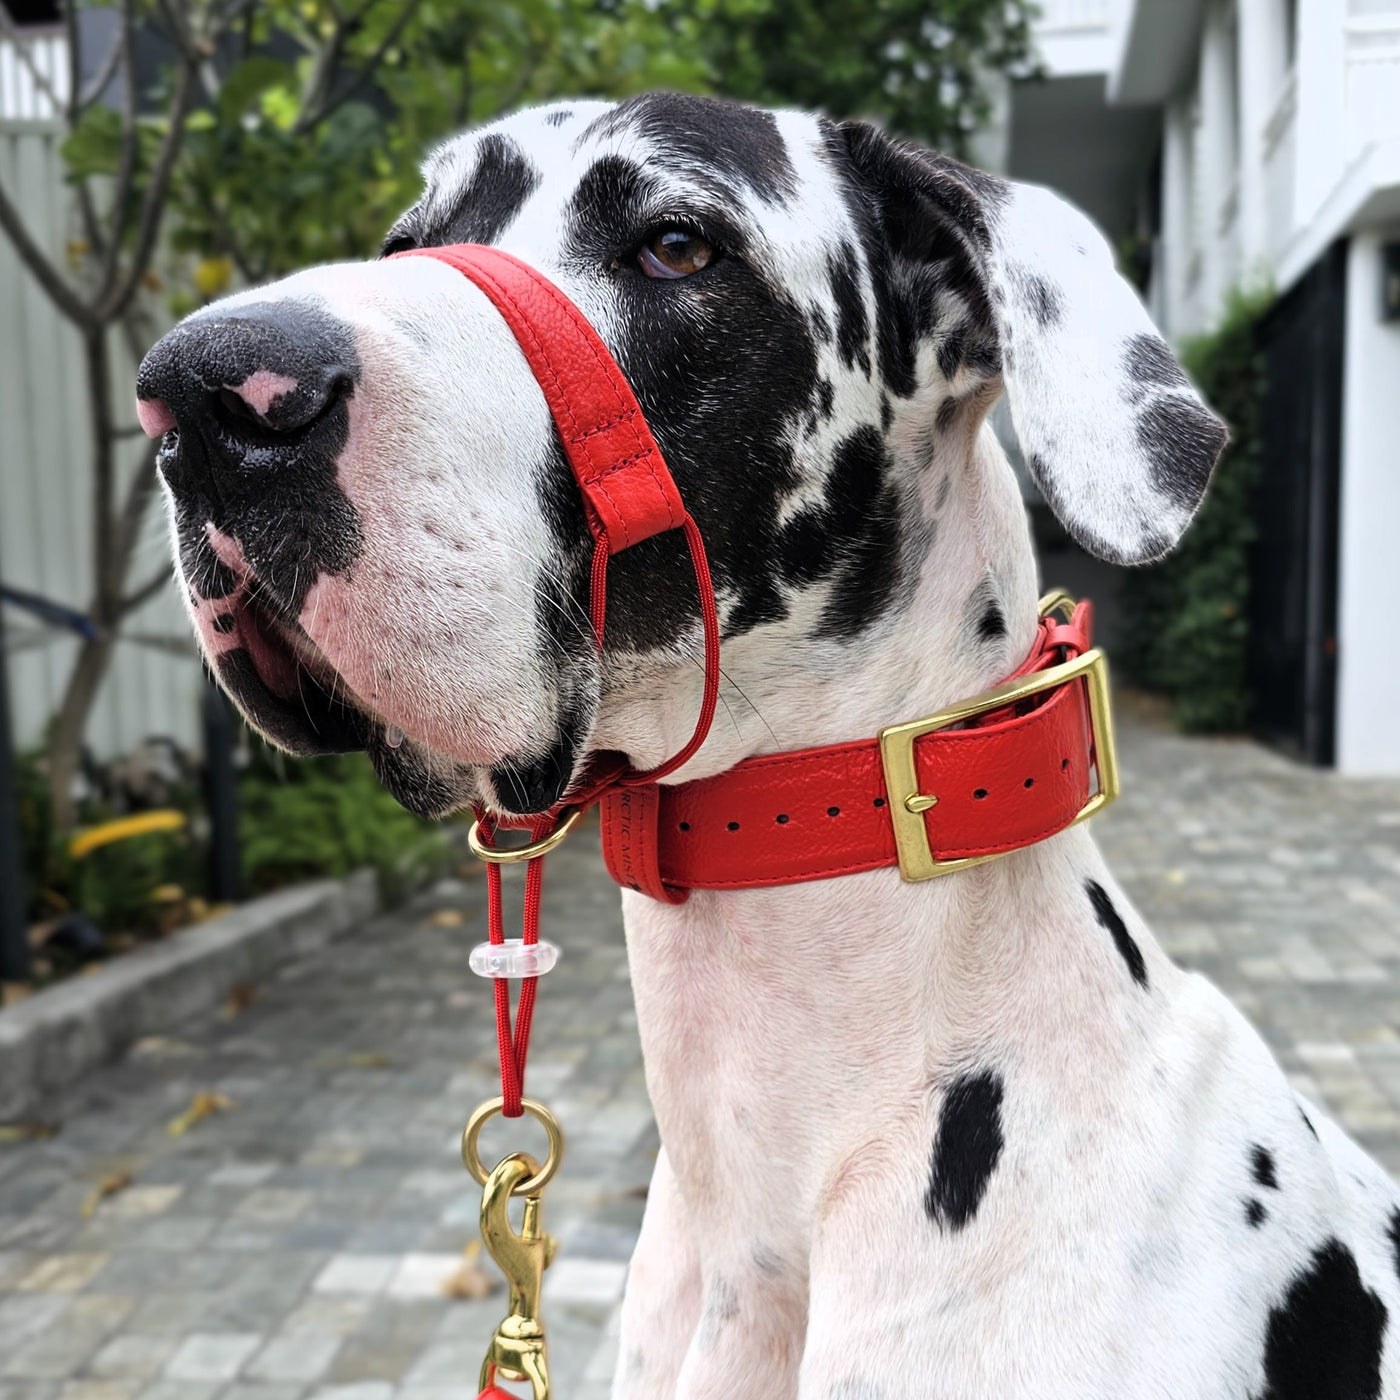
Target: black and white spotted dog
(966, 1139)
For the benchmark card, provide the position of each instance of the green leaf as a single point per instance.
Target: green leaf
(247, 82)
(94, 147)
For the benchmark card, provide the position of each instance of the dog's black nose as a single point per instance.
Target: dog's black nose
(242, 387)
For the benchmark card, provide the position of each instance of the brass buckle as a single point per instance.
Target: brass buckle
(907, 804)
(510, 855)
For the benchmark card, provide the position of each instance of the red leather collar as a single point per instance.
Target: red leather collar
(1010, 777)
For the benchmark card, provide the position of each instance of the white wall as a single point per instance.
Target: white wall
(1368, 632)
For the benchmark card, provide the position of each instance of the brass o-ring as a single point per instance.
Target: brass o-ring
(471, 1157)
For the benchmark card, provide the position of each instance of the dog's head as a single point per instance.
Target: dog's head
(380, 541)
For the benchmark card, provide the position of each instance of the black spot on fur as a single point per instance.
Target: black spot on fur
(1149, 364)
(1041, 298)
(712, 140)
(1255, 1213)
(947, 410)
(768, 1262)
(852, 328)
(923, 225)
(559, 117)
(1261, 1165)
(1110, 918)
(1324, 1338)
(966, 1148)
(991, 624)
(854, 533)
(1182, 441)
(502, 180)
(535, 784)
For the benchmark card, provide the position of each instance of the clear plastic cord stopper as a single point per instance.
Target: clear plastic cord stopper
(513, 958)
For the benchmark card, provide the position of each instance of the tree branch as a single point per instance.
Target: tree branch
(126, 165)
(148, 590)
(41, 268)
(310, 118)
(154, 204)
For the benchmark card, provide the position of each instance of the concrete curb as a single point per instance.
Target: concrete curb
(59, 1034)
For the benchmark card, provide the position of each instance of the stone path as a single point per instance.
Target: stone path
(296, 1244)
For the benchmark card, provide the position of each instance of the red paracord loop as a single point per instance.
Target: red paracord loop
(513, 1046)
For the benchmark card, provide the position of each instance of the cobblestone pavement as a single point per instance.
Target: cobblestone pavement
(297, 1242)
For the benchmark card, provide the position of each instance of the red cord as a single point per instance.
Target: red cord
(513, 1044)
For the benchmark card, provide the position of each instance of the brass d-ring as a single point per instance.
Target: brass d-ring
(471, 1158)
(509, 855)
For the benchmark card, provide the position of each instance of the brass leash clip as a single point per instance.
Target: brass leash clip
(517, 1350)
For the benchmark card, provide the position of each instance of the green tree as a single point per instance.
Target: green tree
(922, 67)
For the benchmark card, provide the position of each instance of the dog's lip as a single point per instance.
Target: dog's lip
(295, 669)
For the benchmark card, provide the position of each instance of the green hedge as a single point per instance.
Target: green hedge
(1186, 620)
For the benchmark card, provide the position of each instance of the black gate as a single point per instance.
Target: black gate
(1293, 574)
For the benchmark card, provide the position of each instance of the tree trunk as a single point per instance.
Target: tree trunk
(70, 725)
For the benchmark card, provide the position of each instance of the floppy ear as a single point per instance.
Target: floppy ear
(1117, 439)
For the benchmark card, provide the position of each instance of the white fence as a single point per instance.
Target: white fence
(21, 97)
(45, 508)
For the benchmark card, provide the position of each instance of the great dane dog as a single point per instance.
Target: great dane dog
(975, 1138)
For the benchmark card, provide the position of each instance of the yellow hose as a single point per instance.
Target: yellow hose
(123, 829)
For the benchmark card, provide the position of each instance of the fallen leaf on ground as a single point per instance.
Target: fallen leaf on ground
(201, 1107)
(27, 1132)
(239, 1000)
(470, 1280)
(448, 918)
(369, 1060)
(161, 1047)
(108, 1186)
(11, 992)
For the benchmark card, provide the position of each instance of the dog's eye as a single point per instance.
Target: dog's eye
(674, 252)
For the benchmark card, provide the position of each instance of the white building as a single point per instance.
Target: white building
(1248, 143)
